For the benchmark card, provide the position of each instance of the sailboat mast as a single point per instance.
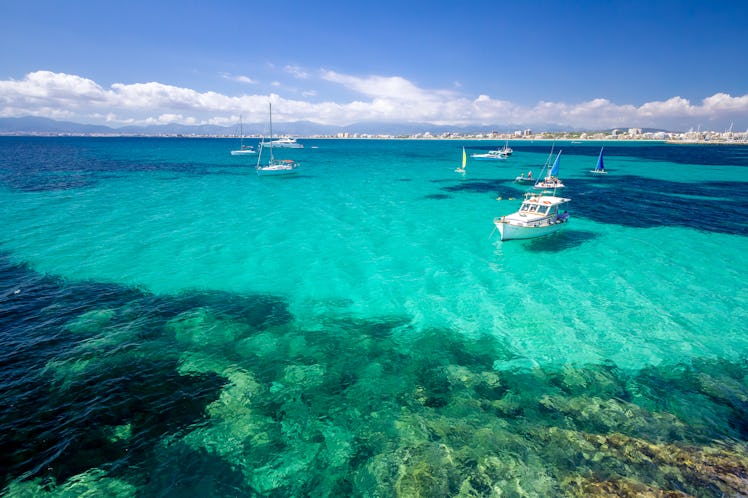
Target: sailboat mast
(270, 106)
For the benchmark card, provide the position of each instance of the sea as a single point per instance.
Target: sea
(171, 324)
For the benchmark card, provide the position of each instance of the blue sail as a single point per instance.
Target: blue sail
(554, 170)
(600, 166)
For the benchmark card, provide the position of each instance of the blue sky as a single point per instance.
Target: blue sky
(581, 65)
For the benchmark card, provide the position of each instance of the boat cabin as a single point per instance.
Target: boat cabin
(535, 206)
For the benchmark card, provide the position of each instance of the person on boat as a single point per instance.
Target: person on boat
(522, 175)
(529, 174)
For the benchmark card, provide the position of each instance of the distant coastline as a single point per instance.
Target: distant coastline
(741, 140)
(44, 127)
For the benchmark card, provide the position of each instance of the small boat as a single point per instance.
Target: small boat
(551, 181)
(288, 143)
(507, 150)
(461, 169)
(244, 150)
(537, 216)
(274, 166)
(490, 155)
(600, 167)
(525, 180)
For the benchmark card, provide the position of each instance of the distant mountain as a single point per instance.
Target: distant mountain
(36, 125)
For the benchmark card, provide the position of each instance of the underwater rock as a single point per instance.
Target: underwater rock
(120, 432)
(200, 327)
(606, 415)
(91, 322)
(93, 482)
(593, 380)
(303, 376)
(262, 345)
(652, 469)
(589, 488)
(234, 425)
(725, 468)
(426, 470)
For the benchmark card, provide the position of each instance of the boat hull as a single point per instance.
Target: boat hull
(243, 152)
(549, 185)
(283, 145)
(270, 171)
(509, 231)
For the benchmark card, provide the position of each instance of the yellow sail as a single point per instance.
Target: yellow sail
(464, 162)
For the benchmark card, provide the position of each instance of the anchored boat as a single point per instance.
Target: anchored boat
(540, 214)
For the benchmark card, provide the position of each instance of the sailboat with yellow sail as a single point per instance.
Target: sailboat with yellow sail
(461, 169)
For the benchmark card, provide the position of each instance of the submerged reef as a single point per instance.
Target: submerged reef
(210, 394)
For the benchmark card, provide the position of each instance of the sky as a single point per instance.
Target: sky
(578, 65)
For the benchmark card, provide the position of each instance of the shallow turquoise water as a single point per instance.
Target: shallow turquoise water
(378, 312)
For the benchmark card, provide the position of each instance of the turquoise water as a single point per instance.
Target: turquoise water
(359, 329)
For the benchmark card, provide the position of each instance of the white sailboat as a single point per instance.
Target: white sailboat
(461, 169)
(244, 150)
(274, 166)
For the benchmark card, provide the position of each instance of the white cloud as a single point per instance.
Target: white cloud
(381, 98)
(297, 72)
(239, 78)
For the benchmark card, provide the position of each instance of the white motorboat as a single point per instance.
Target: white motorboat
(507, 150)
(288, 143)
(538, 215)
(490, 155)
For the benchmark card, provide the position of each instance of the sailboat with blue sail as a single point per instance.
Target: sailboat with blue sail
(551, 181)
(600, 167)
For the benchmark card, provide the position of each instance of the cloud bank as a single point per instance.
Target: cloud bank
(380, 99)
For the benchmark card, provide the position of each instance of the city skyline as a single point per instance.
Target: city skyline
(664, 64)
